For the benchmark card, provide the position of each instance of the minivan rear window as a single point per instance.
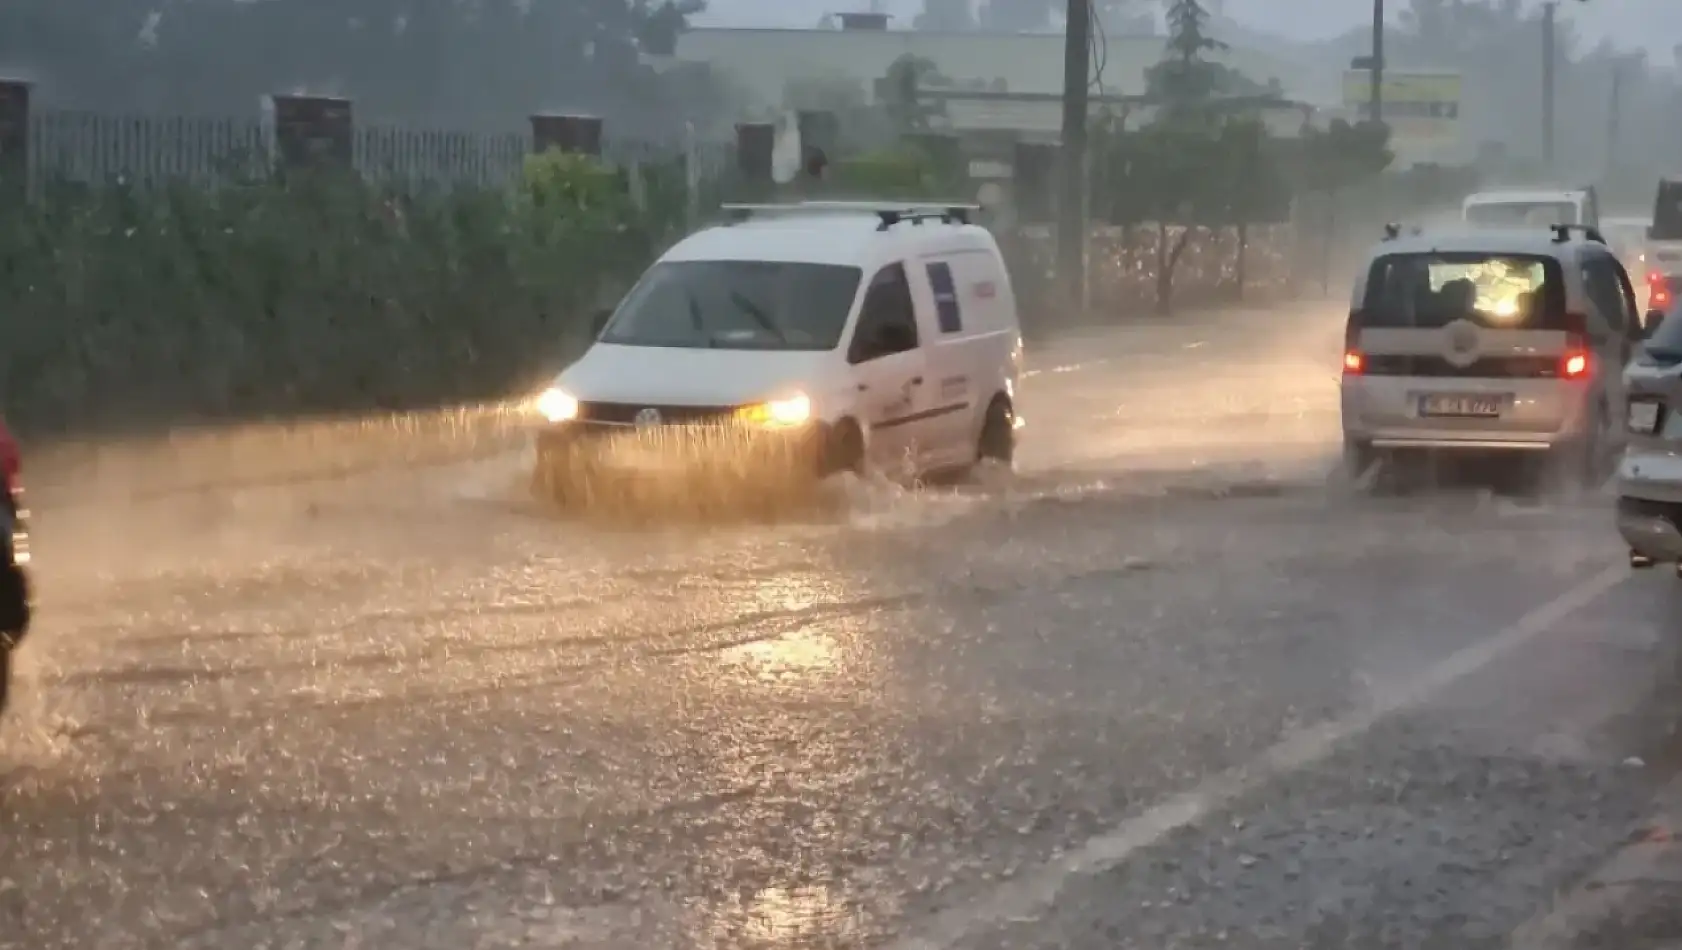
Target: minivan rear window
(1665, 343)
(1432, 289)
(1667, 211)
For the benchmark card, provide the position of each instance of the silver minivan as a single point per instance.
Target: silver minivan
(1507, 343)
(1649, 481)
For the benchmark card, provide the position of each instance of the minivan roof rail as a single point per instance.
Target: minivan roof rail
(889, 212)
(1563, 232)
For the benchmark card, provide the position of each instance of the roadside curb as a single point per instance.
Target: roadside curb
(1643, 875)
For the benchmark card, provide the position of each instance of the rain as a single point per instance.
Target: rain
(321, 659)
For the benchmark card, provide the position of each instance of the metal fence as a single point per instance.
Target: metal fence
(147, 151)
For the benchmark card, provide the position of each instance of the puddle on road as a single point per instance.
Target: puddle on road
(784, 917)
(799, 655)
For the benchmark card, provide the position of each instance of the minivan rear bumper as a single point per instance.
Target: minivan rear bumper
(1539, 414)
(1651, 528)
(1457, 442)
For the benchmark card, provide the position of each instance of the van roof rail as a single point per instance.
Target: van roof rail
(889, 212)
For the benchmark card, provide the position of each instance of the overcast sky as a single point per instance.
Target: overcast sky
(1653, 24)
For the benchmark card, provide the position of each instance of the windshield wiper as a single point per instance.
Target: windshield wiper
(759, 316)
(697, 322)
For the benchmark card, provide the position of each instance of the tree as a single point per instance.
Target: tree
(900, 93)
(658, 26)
(1185, 79)
(443, 62)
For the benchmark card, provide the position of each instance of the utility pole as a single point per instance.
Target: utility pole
(1377, 74)
(1614, 117)
(1549, 11)
(1071, 196)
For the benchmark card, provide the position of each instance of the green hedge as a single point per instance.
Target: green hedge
(126, 309)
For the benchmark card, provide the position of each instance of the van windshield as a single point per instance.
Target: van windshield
(1522, 214)
(1499, 291)
(737, 305)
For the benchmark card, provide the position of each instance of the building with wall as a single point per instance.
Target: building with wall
(761, 63)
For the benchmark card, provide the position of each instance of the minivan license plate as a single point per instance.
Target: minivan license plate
(1460, 405)
(1644, 417)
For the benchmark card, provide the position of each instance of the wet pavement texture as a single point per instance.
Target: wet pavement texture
(1125, 697)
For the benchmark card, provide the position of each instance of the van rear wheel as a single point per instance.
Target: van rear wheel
(998, 434)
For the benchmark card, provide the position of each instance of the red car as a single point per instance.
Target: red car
(15, 601)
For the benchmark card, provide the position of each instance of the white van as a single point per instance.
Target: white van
(826, 336)
(1534, 208)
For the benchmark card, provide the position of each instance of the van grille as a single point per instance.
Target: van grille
(625, 413)
(1492, 367)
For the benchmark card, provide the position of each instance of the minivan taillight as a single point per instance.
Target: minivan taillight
(1354, 361)
(1658, 291)
(1574, 365)
(11, 459)
(1576, 362)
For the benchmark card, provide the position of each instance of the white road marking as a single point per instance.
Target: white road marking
(1024, 897)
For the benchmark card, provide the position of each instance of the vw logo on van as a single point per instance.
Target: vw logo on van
(647, 417)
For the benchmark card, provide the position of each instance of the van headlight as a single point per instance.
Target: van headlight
(796, 410)
(556, 406)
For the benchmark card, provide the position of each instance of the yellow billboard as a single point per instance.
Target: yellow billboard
(1422, 109)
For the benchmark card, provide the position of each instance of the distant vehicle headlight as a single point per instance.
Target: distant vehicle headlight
(557, 406)
(796, 410)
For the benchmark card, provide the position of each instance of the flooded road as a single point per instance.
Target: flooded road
(1171, 685)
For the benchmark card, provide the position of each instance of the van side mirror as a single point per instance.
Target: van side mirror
(598, 322)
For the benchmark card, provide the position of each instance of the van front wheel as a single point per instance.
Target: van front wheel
(843, 450)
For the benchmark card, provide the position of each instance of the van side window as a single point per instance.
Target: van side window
(949, 314)
(888, 320)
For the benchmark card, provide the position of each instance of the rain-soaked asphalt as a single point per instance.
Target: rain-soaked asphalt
(1170, 686)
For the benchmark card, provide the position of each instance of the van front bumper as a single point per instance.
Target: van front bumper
(680, 453)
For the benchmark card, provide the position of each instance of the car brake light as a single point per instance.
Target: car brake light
(1574, 365)
(1354, 361)
(1658, 291)
(11, 459)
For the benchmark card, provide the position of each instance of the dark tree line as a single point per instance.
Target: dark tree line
(455, 63)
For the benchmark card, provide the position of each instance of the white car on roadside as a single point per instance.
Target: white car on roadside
(799, 341)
